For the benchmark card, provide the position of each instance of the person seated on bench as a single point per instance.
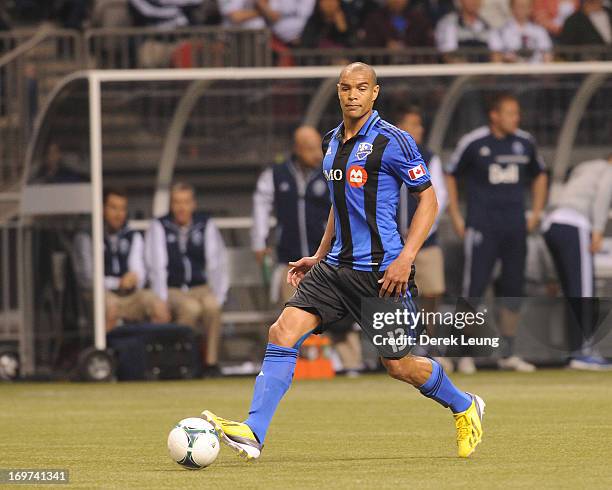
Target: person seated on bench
(124, 269)
(187, 263)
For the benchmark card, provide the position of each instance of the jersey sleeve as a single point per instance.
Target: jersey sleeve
(403, 159)
(461, 157)
(536, 164)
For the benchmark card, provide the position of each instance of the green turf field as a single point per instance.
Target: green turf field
(552, 429)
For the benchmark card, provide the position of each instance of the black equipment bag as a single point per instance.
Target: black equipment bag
(150, 351)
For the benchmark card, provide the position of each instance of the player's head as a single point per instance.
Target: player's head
(357, 90)
(471, 7)
(115, 204)
(307, 146)
(411, 121)
(505, 113)
(182, 203)
(521, 9)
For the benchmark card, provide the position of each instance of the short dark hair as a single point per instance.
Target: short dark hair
(181, 185)
(406, 110)
(499, 98)
(113, 191)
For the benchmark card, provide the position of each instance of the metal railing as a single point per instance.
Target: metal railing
(194, 47)
(425, 55)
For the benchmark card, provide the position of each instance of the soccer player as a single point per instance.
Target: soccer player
(499, 161)
(361, 256)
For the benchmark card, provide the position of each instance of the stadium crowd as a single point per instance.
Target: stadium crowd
(499, 30)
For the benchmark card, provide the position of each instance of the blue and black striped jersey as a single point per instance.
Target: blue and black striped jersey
(364, 176)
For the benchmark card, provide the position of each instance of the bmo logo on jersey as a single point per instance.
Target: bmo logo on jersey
(501, 175)
(333, 174)
(357, 176)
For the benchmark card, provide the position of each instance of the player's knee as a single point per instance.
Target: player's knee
(281, 334)
(402, 370)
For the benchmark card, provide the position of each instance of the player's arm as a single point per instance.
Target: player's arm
(395, 280)
(302, 266)
(539, 190)
(539, 187)
(459, 161)
(453, 205)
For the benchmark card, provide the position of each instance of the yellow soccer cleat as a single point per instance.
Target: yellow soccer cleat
(469, 427)
(236, 435)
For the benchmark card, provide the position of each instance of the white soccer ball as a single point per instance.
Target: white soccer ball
(193, 443)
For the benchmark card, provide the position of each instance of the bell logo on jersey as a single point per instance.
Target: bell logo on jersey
(357, 176)
(501, 175)
(417, 172)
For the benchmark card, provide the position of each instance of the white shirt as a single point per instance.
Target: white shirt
(156, 258)
(602, 24)
(293, 16)
(513, 37)
(451, 32)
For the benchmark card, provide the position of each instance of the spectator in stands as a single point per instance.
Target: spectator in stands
(286, 18)
(295, 192)
(591, 25)
(520, 39)
(328, 27)
(164, 14)
(460, 30)
(187, 263)
(397, 25)
(574, 231)
(55, 169)
(551, 14)
(124, 268)
(429, 261)
(495, 12)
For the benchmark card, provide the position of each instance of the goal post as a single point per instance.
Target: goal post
(593, 74)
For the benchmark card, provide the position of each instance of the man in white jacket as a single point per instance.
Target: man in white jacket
(187, 262)
(574, 229)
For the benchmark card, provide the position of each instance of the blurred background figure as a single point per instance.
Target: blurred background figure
(328, 27)
(461, 30)
(56, 170)
(397, 25)
(519, 39)
(164, 14)
(124, 267)
(551, 14)
(187, 263)
(429, 261)
(296, 193)
(499, 162)
(591, 25)
(286, 18)
(574, 231)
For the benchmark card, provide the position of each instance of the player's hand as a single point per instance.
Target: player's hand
(128, 281)
(596, 241)
(459, 225)
(300, 268)
(395, 280)
(260, 255)
(533, 222)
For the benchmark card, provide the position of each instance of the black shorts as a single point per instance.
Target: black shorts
(335, 292)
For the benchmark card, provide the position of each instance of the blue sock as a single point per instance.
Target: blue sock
(440, 388)
(270, 386)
